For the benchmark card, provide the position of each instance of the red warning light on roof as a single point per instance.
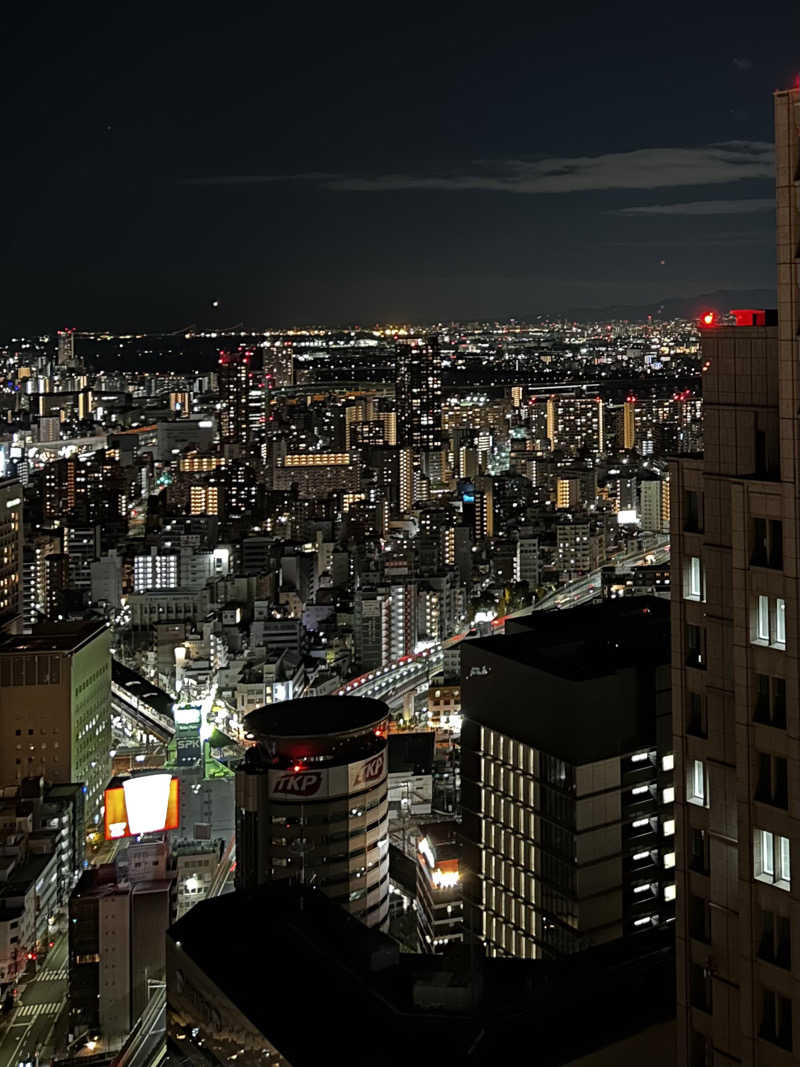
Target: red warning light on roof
(708, 318)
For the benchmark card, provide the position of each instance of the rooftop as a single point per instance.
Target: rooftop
(370, 1004)
(53, 637)
(583, 685)
(315, 717)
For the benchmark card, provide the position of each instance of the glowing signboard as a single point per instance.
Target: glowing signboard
(144, 804)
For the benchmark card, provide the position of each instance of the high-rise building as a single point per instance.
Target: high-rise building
(234, 386)
(440, 909)
(629, 423)
(567, 780)
(55, 719)
(66, 348)
(11, 606)
(312, 804)
(736, 673)
(418, 395)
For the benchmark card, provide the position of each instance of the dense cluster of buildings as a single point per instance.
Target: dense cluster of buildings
(353, 641)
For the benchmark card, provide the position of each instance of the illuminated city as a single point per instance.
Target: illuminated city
(399, 465)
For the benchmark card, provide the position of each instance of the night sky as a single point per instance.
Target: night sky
(349, 163)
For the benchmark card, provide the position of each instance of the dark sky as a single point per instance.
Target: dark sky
(347, 163)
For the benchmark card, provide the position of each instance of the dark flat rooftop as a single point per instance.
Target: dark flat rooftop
(302, 973)
(315, 717)
(585, 684)
(53, 637)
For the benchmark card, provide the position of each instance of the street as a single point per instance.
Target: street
(37, 1010)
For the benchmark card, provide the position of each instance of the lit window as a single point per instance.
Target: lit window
(668, 795)
(697, 784)
(669, 859)
(695, 585)
(762, 619)
(668, 762)
(772, 859)
(669, 891)
(780, 621)
(669, 827)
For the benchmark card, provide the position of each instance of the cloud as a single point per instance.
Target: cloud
(643, 168)
(742, 63)
(702, 207)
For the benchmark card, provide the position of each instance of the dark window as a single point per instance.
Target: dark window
(761, 453)
(776, 1019)
(770, 701)
(698, 851)
(699, 919)
(700, 987)
(696, 715)
(773, 782)
(695, 647)
(775, 942)
(693, 512)
(700, 1052)
(766, 548)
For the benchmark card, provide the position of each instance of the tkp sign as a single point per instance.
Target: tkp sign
(368, 771)
(301, 784)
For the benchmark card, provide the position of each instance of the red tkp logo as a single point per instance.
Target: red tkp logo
(303, 784)
(372, 769)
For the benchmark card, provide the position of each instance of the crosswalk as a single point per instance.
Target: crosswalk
(31, 1011)
(53, 975)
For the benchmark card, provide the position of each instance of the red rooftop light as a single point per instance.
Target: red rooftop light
(709, 318)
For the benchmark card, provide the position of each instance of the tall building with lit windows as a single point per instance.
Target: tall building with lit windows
(418, 395)
(55, 710)
(312, 801)
(11, 600)
(567, 782)
(234, 376)
(66, 348)
(736, 674)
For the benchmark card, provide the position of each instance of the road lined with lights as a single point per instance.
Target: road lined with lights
(394, 681)
(39, 1005)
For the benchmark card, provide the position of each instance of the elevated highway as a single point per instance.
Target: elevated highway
(394, 681)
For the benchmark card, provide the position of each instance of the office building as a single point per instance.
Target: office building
(567, 785)
(736, 674)
(11, 591)
(418, 394)
(311, 801)
(119, 913)
(55, 720)
(440, 908)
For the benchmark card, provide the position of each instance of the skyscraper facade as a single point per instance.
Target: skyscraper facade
(234, 387)
(736, 675)
(312, 801)
(66, 348)
(419, 395)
